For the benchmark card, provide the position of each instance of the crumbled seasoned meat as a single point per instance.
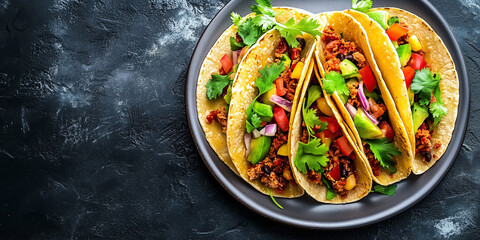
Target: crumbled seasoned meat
(423, 142)
(360, 58)
(279, 139)
(254, 172)
(274, 182)
(353, 99)
(377, 110)
(313, 177)
(374, 163)
(304, 137)
(332, 64)
(220, 116)
(282, 47)
(437, 145)
(346, 168)
(287, 174)
(328, 34)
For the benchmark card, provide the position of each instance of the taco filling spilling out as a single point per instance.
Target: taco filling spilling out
(324, 154)
(349, 74)
(268, 118)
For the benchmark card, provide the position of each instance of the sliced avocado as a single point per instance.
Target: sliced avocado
(381, 17)
(395, 44)
(286, 60)
(373, 94)
(348, 69)
(404, 52)
(259, 149)
(366, 128)
(419, 114)
(411, 96)
(263, 110)
(228, 96)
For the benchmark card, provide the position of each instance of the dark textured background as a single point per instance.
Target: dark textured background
(94, 140)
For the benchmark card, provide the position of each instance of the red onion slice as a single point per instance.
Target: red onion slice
(370, 117)
(235, 55)
(269, 130)
(247, 138)
(282, 102)
(363, 98)
(351, 109)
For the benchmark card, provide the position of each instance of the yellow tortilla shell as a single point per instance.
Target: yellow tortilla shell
(352, 31)
(243, 93)
(319, 191)
(439, 59)
(213, 131)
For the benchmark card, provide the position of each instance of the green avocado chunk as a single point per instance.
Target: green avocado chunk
(404, 53)
(381, 17)
(420, 113)
(348, 69)
(286, 60)
(366, 128)
(259, 149)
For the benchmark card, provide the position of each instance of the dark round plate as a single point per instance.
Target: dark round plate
(305, 211)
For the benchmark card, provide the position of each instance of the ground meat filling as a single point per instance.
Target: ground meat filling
(423, 142)
(220, 116)
(374, 163)
(274, 171)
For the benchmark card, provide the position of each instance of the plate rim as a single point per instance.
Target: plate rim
(451, 153)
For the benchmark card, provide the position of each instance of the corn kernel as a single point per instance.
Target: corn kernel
(413, 40)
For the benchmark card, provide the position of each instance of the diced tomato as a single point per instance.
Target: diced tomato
(335, 173)
(226, 63)
(368, 78)
(386, 130)
(417, 61)
(333, 125)
(344, 146)
(263, 124)
(280, 118)
(280, 89)
(329, 134)
(395, 31)
(409, 73)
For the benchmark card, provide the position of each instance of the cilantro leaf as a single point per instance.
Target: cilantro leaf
(334, 81)
(437, 109)
(249, 31)
(362, 5)
(263, 7)
(330, 193)
(289, 30)
(216, 84)
(389, 190)
(393, 20)
(310, 118)
(264, 83)
(312, 155)
(313, 92)
(423, 84)
(384, 152)
(234, 45)
(236, 19)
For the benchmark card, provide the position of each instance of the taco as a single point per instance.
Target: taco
(420, 75)
(264, 98)
(351, 76)
(323, 156)
(220, 67)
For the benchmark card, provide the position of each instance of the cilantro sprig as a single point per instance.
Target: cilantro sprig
(330, 193)
(310, 115)
(389, 190)
(362, 5)
(383, 150)
(312, 155)
(425, 84)
(251, 29)
(264, 83)
(216, 84)
(334, 81)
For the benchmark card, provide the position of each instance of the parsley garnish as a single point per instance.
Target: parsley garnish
(252, 28)
(216, 84)
(273, 199)
(437, 109)
(264, 83)
(384, 152)
(334, 81)
(312, 155)
(393, 20)
(362, 5)
(389, 190)
(423, 84)
(330, 193)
